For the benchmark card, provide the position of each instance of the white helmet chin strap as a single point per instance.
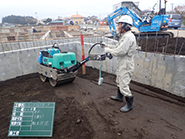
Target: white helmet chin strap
(122, 26)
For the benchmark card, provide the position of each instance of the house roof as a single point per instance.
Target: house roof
(76, 16)
(67, 17)
(57, 21)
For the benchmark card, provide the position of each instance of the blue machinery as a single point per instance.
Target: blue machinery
(148, 25)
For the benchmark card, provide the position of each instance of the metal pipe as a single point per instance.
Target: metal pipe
(164, 6)
(159, 5)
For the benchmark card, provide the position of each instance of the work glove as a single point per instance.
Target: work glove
(107, 50)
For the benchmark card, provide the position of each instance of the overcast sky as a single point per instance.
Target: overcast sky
(65, 8)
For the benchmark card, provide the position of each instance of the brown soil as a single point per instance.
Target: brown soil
(154, 115)
(161, 45)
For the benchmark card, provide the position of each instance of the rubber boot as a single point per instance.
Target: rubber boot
(128, 106)
(118, 97)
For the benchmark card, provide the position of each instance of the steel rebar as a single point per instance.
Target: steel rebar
(155, 41)
(3, 49)
(157, 45)
(181, 48)
(19, 47)
(166, 47)
(176, 44)
(146, 45)
(11, 46)
(33, 42)
(26, 45)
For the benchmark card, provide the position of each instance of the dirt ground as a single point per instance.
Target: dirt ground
(162, 45)
(84, 109)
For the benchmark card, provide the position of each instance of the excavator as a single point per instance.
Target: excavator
(149, 26)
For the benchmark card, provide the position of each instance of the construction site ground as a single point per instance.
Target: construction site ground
(84, 109)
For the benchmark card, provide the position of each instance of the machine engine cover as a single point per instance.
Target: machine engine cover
(63, 60)
(46, 56)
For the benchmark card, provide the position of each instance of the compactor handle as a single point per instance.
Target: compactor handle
(57, 47)
(109, 55)
(97, 56)
(92, 47)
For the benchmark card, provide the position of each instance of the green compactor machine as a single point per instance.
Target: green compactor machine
(60, 67)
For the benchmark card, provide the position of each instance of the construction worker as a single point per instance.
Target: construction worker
(34, 30)
(124, 51)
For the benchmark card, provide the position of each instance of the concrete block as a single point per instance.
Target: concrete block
(179, 76)
(10, 66)
(28, 60)
(138, 72)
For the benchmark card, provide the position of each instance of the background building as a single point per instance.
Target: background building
(78, 19)
(103, 23)
(57, 22)
(134, 6)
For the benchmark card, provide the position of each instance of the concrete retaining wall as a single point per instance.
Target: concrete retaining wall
(163, 72)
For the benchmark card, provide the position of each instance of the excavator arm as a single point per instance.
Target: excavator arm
(123, 11)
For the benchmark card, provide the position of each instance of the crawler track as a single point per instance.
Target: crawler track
(163, 34)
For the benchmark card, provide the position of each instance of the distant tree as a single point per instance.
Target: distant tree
(180, 10)
(48, 20)
(89, 17)
(94, 19)
(19, 19)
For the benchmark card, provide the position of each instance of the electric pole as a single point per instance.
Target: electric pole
(172, 7)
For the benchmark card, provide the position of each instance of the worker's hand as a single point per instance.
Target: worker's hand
(102, 45)
(107, 50)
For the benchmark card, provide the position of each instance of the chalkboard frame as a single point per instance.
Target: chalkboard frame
(32, 119)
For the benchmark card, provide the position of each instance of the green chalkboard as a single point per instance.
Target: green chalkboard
(32, 119)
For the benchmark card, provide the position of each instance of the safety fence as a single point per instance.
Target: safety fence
(18, 46)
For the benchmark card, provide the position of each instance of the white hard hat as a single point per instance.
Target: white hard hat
(125, 19)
